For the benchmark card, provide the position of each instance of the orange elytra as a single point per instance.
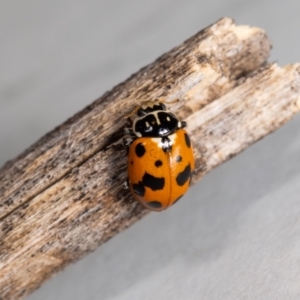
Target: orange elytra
(160, 158)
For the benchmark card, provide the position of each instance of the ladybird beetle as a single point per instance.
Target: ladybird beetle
(160, 157)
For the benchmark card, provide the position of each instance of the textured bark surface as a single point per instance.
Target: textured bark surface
(63, 197)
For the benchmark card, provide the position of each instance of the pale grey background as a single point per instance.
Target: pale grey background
(237, 233)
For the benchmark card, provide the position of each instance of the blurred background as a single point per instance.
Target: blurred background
(236, 233)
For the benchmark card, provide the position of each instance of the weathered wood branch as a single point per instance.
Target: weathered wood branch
(63, 196)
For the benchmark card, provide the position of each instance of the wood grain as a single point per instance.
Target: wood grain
(63, 196)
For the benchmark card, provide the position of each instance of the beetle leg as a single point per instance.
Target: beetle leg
(126, 184)
(128, 131)
(127, 142)
(183, 124)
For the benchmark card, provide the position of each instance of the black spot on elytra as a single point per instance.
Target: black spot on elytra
(158, 163)
(178, 158)
(140, 150)
(154, 204)
(184, 176)
(177, 199)
(139, 189)
(154, 183)
(187, 140)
